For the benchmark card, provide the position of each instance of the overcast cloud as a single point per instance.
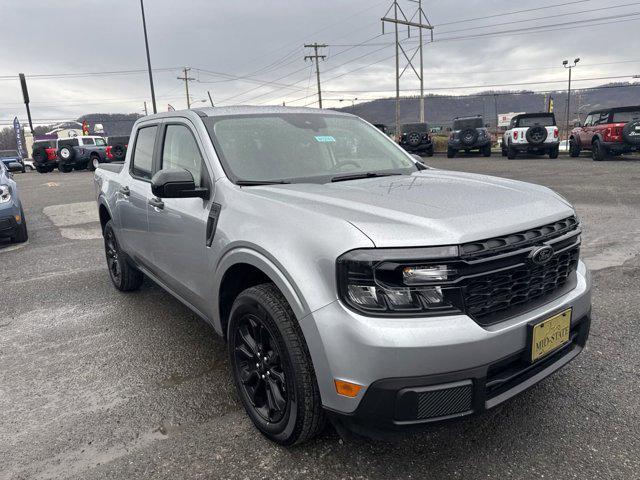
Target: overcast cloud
(240, 37)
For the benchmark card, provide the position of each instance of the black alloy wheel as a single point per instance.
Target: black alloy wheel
(111, 251)
(271, 366)
(414, 139)
(536, 134)
(468, 136)
(258, 364)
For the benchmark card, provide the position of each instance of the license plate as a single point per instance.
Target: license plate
(550, 334)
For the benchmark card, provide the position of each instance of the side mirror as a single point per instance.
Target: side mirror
(176, 183)
(15, 167)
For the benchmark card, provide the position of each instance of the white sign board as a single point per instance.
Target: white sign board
(504, 119)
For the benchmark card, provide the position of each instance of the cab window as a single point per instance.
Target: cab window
(180, 150)
(142, 163)
(588, 121)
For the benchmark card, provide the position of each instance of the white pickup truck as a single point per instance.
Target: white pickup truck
(532, 133)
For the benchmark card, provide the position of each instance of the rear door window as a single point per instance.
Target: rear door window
(142, 162)
(88, 141)
(628, 116)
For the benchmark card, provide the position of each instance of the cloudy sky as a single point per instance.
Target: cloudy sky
(87, 56)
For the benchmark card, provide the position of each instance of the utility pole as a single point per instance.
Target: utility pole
(146, 112)
(210, 99)
(495, 102)
(420, 21)
(186, 80)
(25, 97)
(317, 58)
(565, 64)
(146, 44)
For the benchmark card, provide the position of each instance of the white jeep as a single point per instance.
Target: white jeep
(532, 133)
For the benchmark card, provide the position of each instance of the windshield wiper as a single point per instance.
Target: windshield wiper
(255, 183)
(356, 176)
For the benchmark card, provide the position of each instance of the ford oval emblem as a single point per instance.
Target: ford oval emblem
(541, 255)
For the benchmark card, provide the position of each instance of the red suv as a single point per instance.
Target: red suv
(611, 131)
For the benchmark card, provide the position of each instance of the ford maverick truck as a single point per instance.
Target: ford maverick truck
(351, 282)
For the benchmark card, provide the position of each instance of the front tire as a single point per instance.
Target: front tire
(272, 368)
(93, 164)
(486, 151)
(123, 276)
(451, 152)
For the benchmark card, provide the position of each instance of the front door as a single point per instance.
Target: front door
(178, 226)
(133, 197)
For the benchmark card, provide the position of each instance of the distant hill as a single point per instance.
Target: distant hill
(441, 109)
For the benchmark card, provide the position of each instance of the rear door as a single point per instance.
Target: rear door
(178, 228)
(134, 195)
(585, 131)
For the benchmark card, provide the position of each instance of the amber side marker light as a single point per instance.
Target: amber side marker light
(18, 218)
(347, 389)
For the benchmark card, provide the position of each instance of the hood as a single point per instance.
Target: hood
(431, 207)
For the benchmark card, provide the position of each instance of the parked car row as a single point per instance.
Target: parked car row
(78, 153)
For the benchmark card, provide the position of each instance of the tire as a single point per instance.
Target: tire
(414, 139)
(468, 136)
(21, 235)
(123, 275)
(486, 151)
(504, 152)
(598, 151)
(554, 152)
(284, 370)
(574, 148)
(451, 152)
(536, 135)
(40, 154)
(429, 152)
(43, 169)
(511, 153)
(119, 151)
(94, 161)
(64, 167)
(631, 133)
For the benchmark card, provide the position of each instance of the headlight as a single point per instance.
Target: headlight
(400, 282)
(5, 193)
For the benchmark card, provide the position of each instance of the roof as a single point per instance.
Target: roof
(616, 109)
(541, 114)
(245, 110)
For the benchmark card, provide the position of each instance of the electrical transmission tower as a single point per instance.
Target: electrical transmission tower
(186, 80)
(420, 21)
(317, 58)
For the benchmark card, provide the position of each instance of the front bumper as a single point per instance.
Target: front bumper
(395, 357)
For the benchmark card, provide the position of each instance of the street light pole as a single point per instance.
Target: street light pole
(146, 44)
(565, 64)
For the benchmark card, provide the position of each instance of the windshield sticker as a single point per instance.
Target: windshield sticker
(325, 138)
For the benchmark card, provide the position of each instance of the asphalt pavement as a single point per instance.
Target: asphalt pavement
(96, 384)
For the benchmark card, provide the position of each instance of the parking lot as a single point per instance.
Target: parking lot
(99, 384)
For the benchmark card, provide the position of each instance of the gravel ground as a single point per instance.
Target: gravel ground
(97, 384)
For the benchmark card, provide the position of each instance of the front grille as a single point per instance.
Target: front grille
(488, 295)
(499, 280)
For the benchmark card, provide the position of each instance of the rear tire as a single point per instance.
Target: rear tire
(451, 152)
(486, 151)
(511, 152)
(43, 169)
(64, 167)
(124, 276)
(285, 379)
(554, 152)
(429, 152)
(598, 151)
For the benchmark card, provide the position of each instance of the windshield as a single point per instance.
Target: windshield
(8, 153)
(463, 123)
(543, 120)
(100, 142)
(625, 117)
(299, 147)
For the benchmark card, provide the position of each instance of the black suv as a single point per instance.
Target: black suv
(415, 138)
(469, 133)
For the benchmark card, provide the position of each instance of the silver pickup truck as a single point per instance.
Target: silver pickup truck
(351, 282)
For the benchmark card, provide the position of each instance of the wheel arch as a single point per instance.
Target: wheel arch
(103, 213)
(242, 268)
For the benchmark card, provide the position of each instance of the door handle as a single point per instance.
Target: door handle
(125, 191)
(156, 203)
